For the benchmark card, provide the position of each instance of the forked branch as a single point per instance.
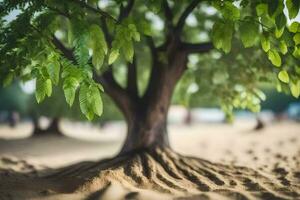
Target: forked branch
(186, 13)
(168, 15)
(116, 92)
(111, 87)
(94, 10)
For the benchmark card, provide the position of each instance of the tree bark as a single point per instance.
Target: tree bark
(144, 133)
(147, 119)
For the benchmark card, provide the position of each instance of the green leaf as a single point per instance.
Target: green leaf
(96, 100)
(260, 94)
(114, 54)
(85, 102)
(43, 87)
(82, 50)
(98, 45)
(261, 9)
(48, 87)
(249, 32)
(279, 32)
(70, 86)
(222, 35)
(133, 32)
(100, 87)
(53, 71)
(128, 50)
(8, 79)
(136, 36)
(287, 37)
(144, 27)
(230, 11)
(293, 7)
(98, 59)
(296, 52)
(274, 57)
(294, 27)
(280, 21)
(296, 38)
(90, 100)
(265, 43)
(284, 76)
(295, 88)
(283, 47)
(98, 38)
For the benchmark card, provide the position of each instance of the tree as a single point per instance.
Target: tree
(83, 52)
(86, 44)
(13, 101)
(79, 42)
(60, 110)
(53, 108)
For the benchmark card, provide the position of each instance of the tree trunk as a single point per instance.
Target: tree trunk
(53, 127)
(36, 126)
(146, 117)
(259, 124)
(144, 132)
(13, 119)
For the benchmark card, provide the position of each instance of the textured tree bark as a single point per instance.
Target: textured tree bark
(144, 131)
(147, 119)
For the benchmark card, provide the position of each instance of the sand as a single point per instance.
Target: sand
(236, 163)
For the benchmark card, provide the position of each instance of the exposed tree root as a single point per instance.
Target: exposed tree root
(166, 173)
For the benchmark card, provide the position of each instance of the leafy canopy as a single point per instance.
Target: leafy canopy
(75, 41)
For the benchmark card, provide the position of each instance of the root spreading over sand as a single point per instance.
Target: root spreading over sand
(156, 174)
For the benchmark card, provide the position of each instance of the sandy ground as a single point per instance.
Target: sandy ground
(275, 148)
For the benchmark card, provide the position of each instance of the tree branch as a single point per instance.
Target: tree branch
(104, 27)
(95, 10)
(186, 13)
(168, 15)
(116, 92)
(66, 52)
(152, 47)
(197, 48)
(132, 87)
(58, 44)
(65, 14)
(124, 12)
(111, 87)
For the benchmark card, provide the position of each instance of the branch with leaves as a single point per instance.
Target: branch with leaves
(79, 42)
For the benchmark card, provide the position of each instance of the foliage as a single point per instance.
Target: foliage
(60, 109)
(12, 98)
(75, 42)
